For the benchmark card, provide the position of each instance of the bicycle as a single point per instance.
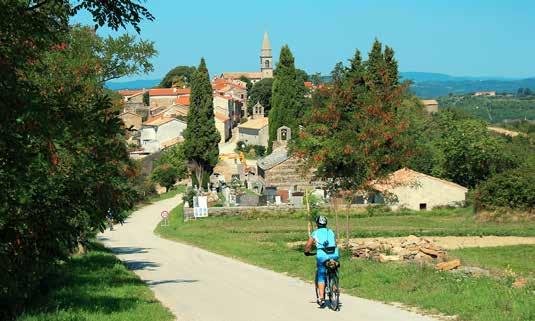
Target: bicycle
(332, 288)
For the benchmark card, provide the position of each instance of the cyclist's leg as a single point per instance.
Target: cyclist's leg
(321, 271)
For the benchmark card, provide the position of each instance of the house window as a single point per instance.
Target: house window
(266, 63)
(423, 206)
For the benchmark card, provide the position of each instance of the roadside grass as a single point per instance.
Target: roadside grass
(518, 259)
(179, 189)
(263, 242)
(96, 287)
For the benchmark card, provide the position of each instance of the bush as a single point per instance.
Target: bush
(165, 175)
(511, 189)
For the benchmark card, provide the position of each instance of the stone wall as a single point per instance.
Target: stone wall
(229, 211)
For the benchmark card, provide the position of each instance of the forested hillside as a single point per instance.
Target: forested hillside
(492, 109)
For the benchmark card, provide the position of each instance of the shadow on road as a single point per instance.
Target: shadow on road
(128, 250)
(140, 265)
(170, 281)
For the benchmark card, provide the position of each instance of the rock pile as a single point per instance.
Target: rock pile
(411, 248)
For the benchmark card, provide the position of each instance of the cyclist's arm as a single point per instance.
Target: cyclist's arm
(309, 244)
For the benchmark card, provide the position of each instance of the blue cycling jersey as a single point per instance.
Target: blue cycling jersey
(325, 241)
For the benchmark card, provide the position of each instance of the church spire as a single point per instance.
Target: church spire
(266, 58)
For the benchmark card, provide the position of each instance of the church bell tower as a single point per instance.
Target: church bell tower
(266, 58)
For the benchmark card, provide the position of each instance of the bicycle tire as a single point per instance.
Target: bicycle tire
(334, 292)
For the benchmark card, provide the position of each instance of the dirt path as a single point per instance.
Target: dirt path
(456, 242)
(199, 285)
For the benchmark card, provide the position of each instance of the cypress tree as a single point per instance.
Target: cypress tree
(391, 67)
(287, 96)
(201, 135)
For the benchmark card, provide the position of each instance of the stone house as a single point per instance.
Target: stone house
(406, 188)
(223, 125)
(430, 105)
(254, 132)
(160, 132)
(131, 120)
(165, 97)
(226, 105)
(283, 172)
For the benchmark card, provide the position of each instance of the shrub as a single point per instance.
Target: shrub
(165, 175)
(511, 189)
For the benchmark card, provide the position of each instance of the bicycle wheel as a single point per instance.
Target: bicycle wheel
(334, 291)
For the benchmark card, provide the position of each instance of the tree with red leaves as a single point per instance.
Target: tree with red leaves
(357, 130)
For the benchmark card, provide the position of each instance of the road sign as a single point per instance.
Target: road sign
(165, 214)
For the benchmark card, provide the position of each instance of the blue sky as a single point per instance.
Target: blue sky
(460, 38)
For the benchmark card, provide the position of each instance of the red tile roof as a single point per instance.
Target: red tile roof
(183, 100)
(169, 91)
(309, 84)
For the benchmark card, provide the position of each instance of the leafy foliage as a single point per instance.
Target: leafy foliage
(357, 130)
(460, 149)
(287, 98)
(201, 136)
(492, 109)
(512, 188)
(63, 155)
(261, 93)
(165, 175)
(175, 157)
(180, 76)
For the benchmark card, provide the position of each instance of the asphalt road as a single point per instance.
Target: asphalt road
(202, 286)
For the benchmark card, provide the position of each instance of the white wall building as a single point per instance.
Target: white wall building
(418, 191)
(161, 132)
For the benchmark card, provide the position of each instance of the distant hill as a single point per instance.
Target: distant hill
(425, 84)
(134, 84)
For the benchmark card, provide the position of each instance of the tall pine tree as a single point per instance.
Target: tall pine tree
(201, 135)
(287, 98)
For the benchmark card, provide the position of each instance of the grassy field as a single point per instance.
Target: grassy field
(96, 287)
(263, 241)
(518, 259)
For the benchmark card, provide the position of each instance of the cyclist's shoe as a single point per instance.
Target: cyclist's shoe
(321, 303)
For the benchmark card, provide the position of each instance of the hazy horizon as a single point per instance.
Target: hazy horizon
(476, 39)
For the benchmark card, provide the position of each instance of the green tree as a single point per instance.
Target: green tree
(125, 55)
(261, 93)
(511, 189)
(175, 157)
(180, 76)
(201, 136)
(166, 175)
(468, 153)
(357, 130)
(63, 155)
(287, 98)
(248, 83)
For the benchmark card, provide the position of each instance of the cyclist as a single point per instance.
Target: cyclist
(325, 241)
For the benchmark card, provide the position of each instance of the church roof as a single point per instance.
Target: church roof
(265, 43)
(237, 75)
(276, 157)
(258, 123)
(266, 46)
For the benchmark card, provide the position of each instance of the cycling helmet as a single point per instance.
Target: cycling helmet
(321, 221)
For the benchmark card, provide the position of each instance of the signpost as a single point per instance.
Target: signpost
(165, 220)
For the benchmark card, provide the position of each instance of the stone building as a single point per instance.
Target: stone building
(430, 105)
(417, 191)
(254, 132)
(160, 132)
(282, 171)
(266, 65)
